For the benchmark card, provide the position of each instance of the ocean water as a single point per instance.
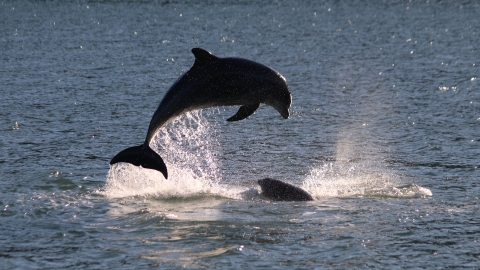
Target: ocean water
(384, 132)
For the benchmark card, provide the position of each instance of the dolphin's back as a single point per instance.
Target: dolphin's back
(213, 81)
(281, 191)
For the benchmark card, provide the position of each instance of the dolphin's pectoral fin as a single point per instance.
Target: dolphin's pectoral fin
(142, 156)
(202, 56)
(244, 112)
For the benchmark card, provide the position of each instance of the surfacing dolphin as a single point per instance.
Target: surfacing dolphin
(212, 81)
(281, 191)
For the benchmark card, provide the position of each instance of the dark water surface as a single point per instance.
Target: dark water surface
(384, 132)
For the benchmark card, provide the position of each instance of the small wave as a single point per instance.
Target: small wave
(332, 180)
(407, 191)
(126, 180)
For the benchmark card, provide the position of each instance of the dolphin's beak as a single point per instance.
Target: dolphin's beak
(283, 107)
(284, 112)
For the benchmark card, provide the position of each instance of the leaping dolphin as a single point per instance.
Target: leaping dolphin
(212, 81)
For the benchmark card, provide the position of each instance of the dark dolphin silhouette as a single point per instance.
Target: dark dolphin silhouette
(212, 81)
(281, 191)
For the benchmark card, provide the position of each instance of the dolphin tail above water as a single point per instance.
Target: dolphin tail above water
(142, 155)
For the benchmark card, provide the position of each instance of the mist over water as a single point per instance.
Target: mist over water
(383, 133)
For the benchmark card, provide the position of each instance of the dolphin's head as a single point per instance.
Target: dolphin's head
(281, 98)
(268, 86)
(282, 105)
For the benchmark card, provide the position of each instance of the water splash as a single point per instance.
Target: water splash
(190, 150)
(359, 170)
(337, 180)
(190, 141)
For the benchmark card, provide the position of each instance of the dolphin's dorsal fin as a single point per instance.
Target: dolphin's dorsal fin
(244, 112)
(203, 57)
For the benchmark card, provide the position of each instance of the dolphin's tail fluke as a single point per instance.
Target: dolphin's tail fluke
(142, 155)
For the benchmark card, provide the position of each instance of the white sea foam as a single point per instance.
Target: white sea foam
(334, 180)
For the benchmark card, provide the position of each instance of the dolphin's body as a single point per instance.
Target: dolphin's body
(212, 81)
(281, 191)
